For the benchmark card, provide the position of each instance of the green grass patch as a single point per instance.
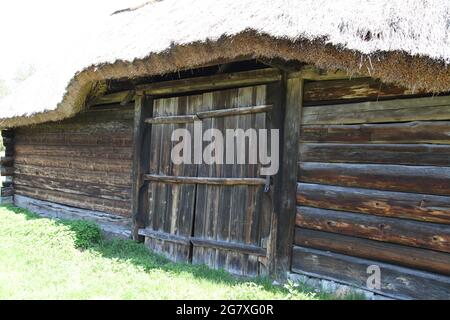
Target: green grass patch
(48, 259)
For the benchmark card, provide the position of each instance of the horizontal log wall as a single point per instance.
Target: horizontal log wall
(83, 162)
(7, 167)
(374, 185)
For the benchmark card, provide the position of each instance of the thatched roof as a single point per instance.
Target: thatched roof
(401, 41)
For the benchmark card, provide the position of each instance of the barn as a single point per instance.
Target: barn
(358, 92)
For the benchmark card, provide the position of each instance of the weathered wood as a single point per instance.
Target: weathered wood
(101, 191)
(117, 138)
(284, 217)
(112, 166)
(6, 171)
(87, 176)
(172, 119)
(435, 108)
(164, 236)
(122, 97)
(6, 161)
(7, 192)
(239, 247)
(234, 111)
(111, 224)
(309, 72)
(232, 214)
(416, 258)
(89, 151)
(409, 154)
(141, 162)
(118, 207)
(345, 89)
(411, 233)
(410, 132)
(216, 82)
(414, 206)
(171, 206)
(209, 114)
(420, 179)
(397, 282)
(204, 180)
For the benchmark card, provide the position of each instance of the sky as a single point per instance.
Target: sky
(29, 29)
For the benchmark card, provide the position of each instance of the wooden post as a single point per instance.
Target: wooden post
(141, 161)
(285, 198)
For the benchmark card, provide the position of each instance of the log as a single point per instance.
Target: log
(396, 282)
(426, 235)
(346, 89)
(121, 208)
(204, 180)
(90, 189)
(409, 154)
(6, 171)
(415, 258)
(7, 192)
(410, 132)
(6, 161)
(429, 108)
(420, 179)
(82, 152)
(413, 206)
(216, 82)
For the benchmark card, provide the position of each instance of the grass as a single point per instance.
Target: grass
(47, 259)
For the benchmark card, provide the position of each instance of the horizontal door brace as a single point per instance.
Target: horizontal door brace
(209, 114)
(201, 242)
(204, 180)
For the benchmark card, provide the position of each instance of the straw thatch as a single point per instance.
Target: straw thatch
(401, 41)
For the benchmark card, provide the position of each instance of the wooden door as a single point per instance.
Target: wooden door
(213, 214)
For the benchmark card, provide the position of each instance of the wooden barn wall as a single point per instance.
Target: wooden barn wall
(374, 186)
(83, 162)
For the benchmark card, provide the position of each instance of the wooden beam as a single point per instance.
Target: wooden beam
(398, 110)
(121, 97)
(309, 72)
(397, 282)
(239, 247)
(419, 179)
(431, 236)
(204, 180)
(6, 171)
(141, 160)
(406, 154)
(209, 114)
(172, 119)
(415, 206)
(437, 132)
(284, 206)
(416, 258)
(159, 235)
(6, 161)
(215, 82)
